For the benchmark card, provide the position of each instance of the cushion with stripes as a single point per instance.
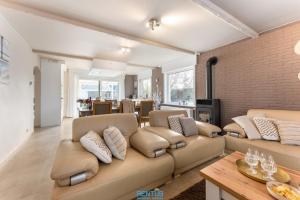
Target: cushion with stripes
(267, 128)
(116, 142)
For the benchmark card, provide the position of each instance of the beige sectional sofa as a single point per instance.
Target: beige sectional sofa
(120, 179)
(142, 169)
(286, 155)
(198, 147)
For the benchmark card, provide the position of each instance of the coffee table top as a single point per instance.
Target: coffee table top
(225, 175)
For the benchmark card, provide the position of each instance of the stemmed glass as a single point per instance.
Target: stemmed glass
(252, 158)
(270, 167)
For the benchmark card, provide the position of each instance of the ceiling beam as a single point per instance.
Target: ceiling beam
(88, 25)
(81, 57)
(227, 17)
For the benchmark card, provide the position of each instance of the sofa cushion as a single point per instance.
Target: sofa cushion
(176, 140)
(159, 118)
(248, 126)
(207, 129)
(174, 123)
(116, 180)
(235, 128)
(289, 132)
(148, 143)
(189, 126)
(115, 142)
(197, 151)
(72, 159)
(267, 128)
(286, 155)
(93, 143)
(125, 122)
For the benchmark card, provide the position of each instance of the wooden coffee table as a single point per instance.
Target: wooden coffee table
(223, 181)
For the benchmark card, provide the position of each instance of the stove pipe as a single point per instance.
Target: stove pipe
(210, 62)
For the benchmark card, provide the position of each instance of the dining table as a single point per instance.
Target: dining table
(83, 111)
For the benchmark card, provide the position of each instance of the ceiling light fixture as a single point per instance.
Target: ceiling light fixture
(153, 24)
(125, 50)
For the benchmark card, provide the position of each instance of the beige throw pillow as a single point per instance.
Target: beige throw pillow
(248, 126)
(289, 132)
(174, 123)
(93, 143)
(116, 142)
(189, 126)
(267, 128)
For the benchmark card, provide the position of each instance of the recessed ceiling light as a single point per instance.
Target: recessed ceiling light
(125, 50)
(153, 24)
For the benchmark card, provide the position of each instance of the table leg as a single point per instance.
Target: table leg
(213, 192)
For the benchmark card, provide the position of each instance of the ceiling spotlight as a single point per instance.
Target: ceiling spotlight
(125, 50)
(153, 24)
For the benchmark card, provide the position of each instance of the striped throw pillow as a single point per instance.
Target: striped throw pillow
(267, 128)
(93, 143)
(174, 123)
(116, 142)
(289, 132)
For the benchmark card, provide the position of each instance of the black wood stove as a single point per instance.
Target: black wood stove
(208, 110)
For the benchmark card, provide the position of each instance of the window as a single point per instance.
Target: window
(145, 88)
(88, 88)
(180, 87)
(109, 90)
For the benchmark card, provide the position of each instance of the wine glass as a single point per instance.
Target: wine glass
(252, 160)
(270, 167)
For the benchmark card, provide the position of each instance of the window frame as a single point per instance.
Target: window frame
(167, 95)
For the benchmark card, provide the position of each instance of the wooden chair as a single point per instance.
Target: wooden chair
(145, 108)
(100, 108)
(114, 101)
(127, 106)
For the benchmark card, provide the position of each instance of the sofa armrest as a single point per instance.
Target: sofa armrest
(207, 129)
(235, 128)
(176, 140)
(73, 164)
(148, 143)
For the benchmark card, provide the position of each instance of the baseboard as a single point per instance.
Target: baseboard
(14, 151)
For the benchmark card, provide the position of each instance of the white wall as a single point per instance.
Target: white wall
(16, 98)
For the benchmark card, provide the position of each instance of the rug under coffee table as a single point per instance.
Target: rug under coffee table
(223, 181)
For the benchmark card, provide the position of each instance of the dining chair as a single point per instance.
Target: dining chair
(100, 108)
(145, 107)
(127, 106)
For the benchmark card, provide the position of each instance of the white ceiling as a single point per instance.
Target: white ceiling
(262, 15)
(185, 25)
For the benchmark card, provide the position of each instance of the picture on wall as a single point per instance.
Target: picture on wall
(4, 61)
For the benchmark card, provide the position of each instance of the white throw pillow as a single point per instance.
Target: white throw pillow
(174, 122)
(93, 143)
(248, 126)
(116, 142)
(289, 132)
(267, 128)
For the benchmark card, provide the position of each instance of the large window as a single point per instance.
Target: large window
(88, 88)
(109, 90)
(98, 89)
(145, 88)
(180, 87)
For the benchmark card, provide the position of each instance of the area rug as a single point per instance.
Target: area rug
(196, 192)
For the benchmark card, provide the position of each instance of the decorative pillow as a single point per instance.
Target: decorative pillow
(93, 143)
(235, 128)
(189, 126)
(289, 132)
(248, 126)
(174, 123)
(116, 142)
(267, 128)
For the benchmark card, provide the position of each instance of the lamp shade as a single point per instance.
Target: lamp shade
(297, 48)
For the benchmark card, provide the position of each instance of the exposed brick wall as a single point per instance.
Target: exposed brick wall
(254, 73)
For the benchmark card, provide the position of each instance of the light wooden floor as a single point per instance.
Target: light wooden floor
(27, 174)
